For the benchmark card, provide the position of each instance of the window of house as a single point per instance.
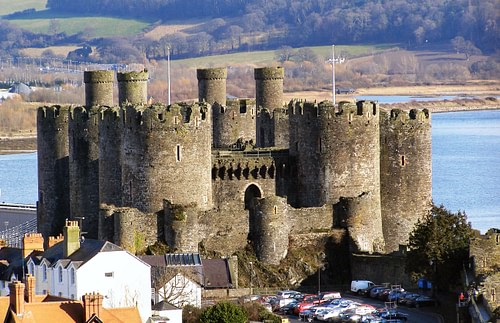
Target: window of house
(31, 269)
(60, 271)
(72, 276)
(44, 272)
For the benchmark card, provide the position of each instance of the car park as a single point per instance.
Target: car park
(287, 293)
(374, 291)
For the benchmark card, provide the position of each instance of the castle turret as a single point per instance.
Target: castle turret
(53, 169)
(269, 87)
(98, 87)
(337, 153)
(84, 167)
(132, 87)
(234, 124)
(271, 229)
(212, 85)
(166, 155)
(406, 173)
(272, 120)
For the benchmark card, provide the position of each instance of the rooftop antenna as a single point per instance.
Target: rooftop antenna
(80, 224)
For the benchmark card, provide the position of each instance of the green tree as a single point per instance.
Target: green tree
(439, 246)
(224, 312)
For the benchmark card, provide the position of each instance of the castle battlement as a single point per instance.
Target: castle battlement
(53, 112)
(109, 114)
(414, 114)
(167, 117)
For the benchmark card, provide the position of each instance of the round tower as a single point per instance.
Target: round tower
(84, 167)
(53, 169)
(354, 214)
(406, 172)
(269, 87)
(234, 124)
(167, 155)
(212, 85)
(272, 229)
(132, 87)
(98, 87)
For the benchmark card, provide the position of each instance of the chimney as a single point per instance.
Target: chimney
(32, 242)
(55, 240)
(17, 297)
(92, 304)
(71, 238)
(30, 288)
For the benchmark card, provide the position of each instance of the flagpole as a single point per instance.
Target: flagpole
(333, 74)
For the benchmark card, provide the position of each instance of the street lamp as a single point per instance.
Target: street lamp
(321, 267)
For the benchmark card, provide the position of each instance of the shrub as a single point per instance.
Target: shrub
(224, 312)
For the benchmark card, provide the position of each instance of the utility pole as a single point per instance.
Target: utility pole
(168, 72)
(333, 74)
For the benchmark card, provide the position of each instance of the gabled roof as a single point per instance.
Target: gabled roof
(88, 249)
(164, 306)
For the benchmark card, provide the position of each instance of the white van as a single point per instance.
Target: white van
(359, 285)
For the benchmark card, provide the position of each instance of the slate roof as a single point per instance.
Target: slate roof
(164, 306)
(216, 272)
(88, 249)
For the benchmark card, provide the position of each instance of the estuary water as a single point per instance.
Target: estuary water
(465, 162)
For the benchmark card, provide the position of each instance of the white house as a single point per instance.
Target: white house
(181, 291)
(75, 267)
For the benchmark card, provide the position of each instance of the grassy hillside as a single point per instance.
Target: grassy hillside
(10, 6)
(269, 57)
(98, 26)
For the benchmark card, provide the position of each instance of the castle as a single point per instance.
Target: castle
(221, 173)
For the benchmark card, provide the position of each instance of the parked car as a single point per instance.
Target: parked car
(288, 308)
(423, 300)
(327, 296)
(408, 299)
(359, 285)
(366, 292)
(374, 291)
(287, 293)
(393, 315)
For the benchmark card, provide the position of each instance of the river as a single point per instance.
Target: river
(465, 161)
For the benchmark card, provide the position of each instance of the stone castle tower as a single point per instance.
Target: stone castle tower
(220, 173)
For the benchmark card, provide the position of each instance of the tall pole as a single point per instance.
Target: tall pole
(168, 73)
(333, 74)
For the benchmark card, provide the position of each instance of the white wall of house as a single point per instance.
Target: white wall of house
(123, 279)
(181, 291)
(172, 316)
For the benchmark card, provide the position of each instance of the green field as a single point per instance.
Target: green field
(100, 26)
(268, 57)
(10, 6)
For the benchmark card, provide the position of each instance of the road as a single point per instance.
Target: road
(415, 315)
(12, 215)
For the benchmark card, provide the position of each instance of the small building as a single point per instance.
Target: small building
(164, 312)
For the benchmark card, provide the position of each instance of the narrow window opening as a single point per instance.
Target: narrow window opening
(403, 161)
(176, 120)
(275, 209)
(160, 116)
(178, 153)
